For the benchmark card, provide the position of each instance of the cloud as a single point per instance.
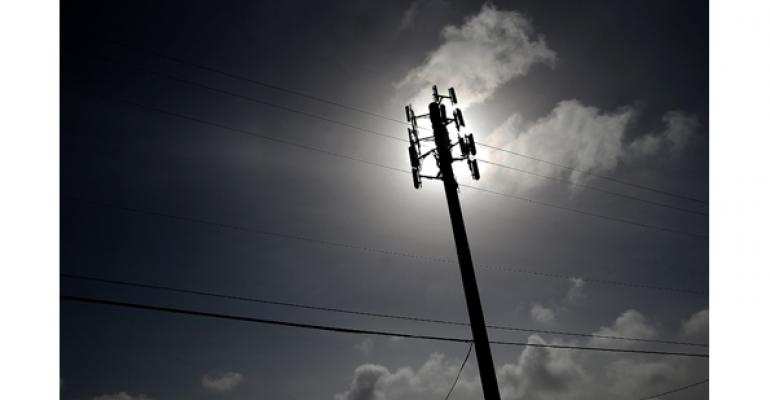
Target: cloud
(366, 383)
(539, 372)
(488, 50)
(366, 346)
(431, 380)
(573, 134)
(679, 129)
(575, 292)
(495, 46)
(630, 323)
(542, 314)
(697, 326)
(121, 396)
(221, 383)
(590, 140)
(543, 373)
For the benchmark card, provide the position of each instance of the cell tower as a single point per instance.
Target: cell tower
(443, 154)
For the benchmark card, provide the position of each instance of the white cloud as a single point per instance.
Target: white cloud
(366, 383)
(697, 326)
(223, 382)
(573, 134)
(495, 46)
(121, 396)
(488, 50)
(679, 129)
(542, 314)
(629, 324)
(585, 138)
(366, 346)
(575, 292)
(431, 380)
(543, 373)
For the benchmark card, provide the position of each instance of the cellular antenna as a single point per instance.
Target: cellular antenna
(442, 152)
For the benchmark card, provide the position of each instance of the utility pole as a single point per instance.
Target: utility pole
(444, 157)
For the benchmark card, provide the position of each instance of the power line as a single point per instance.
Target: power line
(377, 250)
(381, 134)
(255, 81)
(470, 347)
(247, 98)
(354, 312)
(335, 154)
(587, 213)
(237, 130)
(330, 328)
(679, 389)
(586, 172)
(281, 235)
(597, 280)
(315, 98)
(595, 188)
(381, 116)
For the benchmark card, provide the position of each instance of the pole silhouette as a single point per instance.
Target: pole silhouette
(443, 154)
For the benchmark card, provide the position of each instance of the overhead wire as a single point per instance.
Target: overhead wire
(586, 213)
(459, 372)
(252, 80)
(332, 328)
(679, 389)
(252, 99)
(586, 172)
(370, 249)
(248, 98)
(357, 312)
(272, 86)
(315, 98)
(591, 187)
(401, 170)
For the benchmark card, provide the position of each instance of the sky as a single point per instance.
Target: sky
(230, 199)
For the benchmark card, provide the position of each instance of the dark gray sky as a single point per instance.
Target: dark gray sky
(616, 88)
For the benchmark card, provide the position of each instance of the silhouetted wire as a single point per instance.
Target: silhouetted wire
(586, 172)
(381, 116)
(331, 328)
(377, 250)
(254, 81)
(354, 312)
(586, 213)
(237, 130)
(241, 228)
(404, 171)
(679, 389)
(247, 98)
(381, 134)
(594, 188)
(451, 389)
